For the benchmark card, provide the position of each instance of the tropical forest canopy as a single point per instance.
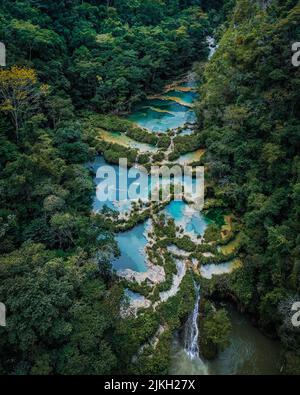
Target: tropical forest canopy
(249, 118)
(65, 57)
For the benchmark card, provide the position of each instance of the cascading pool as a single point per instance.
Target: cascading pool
(121, 139)
(168, 111)
(132, 244)
(193, 221)
(250, 352)
(171, 110)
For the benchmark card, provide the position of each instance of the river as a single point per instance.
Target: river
(157, 115)
(249, 352)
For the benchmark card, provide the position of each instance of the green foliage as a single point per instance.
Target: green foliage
(70, 146)
(155, 361)
(158, 157)
(113, 152)
(164, 142)
(58, 314)
(104, 55)
(131, 334)
(62, 297)
(184, 144)
(215, 330)
(250, 121)
(212, 233)
(143, 159)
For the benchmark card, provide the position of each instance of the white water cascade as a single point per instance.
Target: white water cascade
(212, 46)
(191, 339)
(191, 330)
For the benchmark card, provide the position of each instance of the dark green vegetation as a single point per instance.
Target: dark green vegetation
(72, 56)
(185, 144)
(103, 55)
(55, 256)
(50, 248)
(61, 313)
(215, 328)
(114, 123)
(250, 124)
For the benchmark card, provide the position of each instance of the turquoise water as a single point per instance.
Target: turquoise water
(176, 210)
(132, 244)
(156, 115)
(198, 224)
(116, 192)
(192, 221)
(116, 201)
(161, 115)
(187, 97)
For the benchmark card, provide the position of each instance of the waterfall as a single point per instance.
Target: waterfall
(191, 345)
(212, 46)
